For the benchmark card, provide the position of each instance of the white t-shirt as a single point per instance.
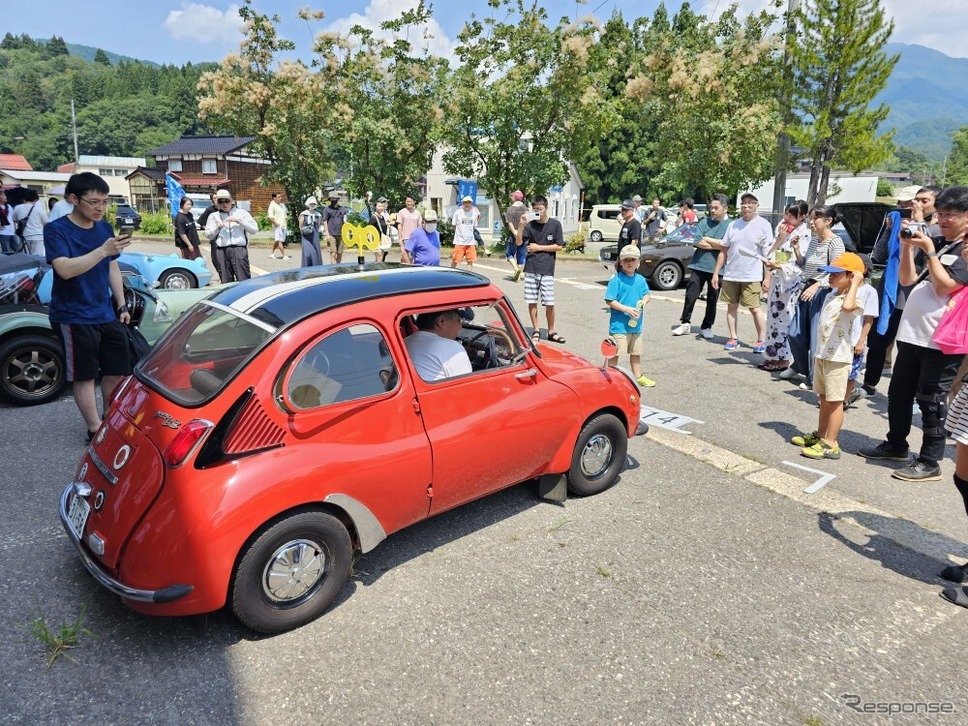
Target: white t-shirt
(924, 308)
(743, 241)
(437, 358)
(35, 220)
(464, 223)
(869, 304)
(60, 209)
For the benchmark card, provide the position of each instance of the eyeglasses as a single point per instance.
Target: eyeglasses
(224, 201)
(950, 215)
(95, 203)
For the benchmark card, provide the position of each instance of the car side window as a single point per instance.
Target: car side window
(346, 365)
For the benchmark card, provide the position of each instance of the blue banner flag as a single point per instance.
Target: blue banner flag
(466, 188)
(175, 193)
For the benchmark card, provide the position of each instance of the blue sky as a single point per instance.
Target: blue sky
(178, 31)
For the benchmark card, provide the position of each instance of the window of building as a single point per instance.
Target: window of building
(104, 172)
(209, 166)
(120, 172)
(174, 165)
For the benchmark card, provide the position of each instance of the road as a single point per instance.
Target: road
(706, 587)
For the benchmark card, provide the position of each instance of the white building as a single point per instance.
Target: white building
(842, 187)
(113, 169)
(564, 202)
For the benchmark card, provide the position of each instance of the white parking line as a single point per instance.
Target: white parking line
(667, 419)
(824, 479)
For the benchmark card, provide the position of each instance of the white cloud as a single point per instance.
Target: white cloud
(204, 24)
(429, 36)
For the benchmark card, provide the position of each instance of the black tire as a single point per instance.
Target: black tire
(599, 455)
(666, 276)
(32, 370)
(263, 599)
(177, 279)
(596, 236)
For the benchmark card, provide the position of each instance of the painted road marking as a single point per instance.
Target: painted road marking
(667, 419)
(824, 479)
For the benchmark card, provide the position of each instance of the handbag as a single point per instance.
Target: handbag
(21, 224)
(951, 335)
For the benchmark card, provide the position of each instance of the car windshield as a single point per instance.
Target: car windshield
(202, 352)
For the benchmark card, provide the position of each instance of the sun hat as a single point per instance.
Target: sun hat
(467, 199)
(636, 198)
(311, 201)
(223, 194)
(847, 262)
(906, 194)
(430, 215)
(630, 252)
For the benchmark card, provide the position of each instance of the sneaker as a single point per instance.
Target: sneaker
(517, 275)
(682, 329)
(869, 390)
(885, 450)
(759, 347)
(804, 386)
(287, 257)
(273, 256)
(646, 382)
(855, 395)
(821, 450)
(731, 344)
(706, 333)
(806, 439)
(918, 471)
(788, 374)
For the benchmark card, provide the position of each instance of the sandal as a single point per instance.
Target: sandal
(535, 336)
(956, 595)
(773, 366)
(555, 338)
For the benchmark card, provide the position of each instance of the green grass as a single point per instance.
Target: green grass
(56, 642)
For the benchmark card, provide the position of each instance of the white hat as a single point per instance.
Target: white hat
(311, 201)
(630, 252)
(467, 199)
(430, 216)
(906, 194)
(223, 194)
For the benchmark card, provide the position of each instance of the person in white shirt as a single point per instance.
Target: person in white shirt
(229, 227)
(465, 220)
(60, 209)
(278, 214)
(433, 348)
(744, 247)
(35, 213)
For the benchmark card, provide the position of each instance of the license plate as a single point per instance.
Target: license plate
(128, 220)
(77, 515)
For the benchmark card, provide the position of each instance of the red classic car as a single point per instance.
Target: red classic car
(280, 425)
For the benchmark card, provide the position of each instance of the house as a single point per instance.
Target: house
(15, 162)
(42, 182)
(202, 164)
(564, 202)
(113, 169)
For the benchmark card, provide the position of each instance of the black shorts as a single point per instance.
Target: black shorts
(92, 351)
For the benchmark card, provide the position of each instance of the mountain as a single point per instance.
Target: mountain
(927, 96)
(87, 53)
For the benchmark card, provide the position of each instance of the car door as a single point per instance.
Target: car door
(492, 428)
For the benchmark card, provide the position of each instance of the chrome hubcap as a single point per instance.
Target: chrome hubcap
(293, 571)
(596, 456)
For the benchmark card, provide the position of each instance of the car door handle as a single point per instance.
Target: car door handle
(530, 373)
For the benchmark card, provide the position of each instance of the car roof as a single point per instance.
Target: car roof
(285, 297)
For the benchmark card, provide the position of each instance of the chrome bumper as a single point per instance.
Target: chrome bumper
(165, 594)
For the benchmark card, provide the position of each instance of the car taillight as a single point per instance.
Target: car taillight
(185, 441)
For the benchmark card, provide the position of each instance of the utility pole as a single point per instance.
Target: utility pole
(783, 138)
(74, 127)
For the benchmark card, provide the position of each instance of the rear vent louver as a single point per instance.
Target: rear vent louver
(252, 430)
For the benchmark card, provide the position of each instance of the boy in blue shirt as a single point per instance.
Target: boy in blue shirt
(627, 294)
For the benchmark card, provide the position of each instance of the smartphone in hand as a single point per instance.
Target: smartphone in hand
(126, 230)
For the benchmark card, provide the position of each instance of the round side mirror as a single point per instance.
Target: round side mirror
(609, 348)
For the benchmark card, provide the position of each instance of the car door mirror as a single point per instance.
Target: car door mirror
(609, 350)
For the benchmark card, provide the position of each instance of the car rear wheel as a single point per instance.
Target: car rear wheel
(599, 455)
(177, 279)
(596, 236)
(667, 276)
(32, 370)
(291, 572)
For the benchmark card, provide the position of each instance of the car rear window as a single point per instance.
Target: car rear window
(202, 352)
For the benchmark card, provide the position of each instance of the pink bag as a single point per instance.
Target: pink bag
(952, 333)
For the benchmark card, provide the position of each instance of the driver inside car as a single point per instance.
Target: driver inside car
(434, 349)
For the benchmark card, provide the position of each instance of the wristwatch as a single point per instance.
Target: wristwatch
(122, 309)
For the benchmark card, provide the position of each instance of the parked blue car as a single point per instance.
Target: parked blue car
(169, 272)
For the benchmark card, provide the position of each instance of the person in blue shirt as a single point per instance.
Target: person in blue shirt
(423, 246)
(87, 308)
(627, 295)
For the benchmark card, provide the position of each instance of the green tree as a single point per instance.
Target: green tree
(839, 67)
(519, 102)
(957, 170)
(101, 58)
(55, 47)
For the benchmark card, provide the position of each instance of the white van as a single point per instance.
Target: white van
(604, 223)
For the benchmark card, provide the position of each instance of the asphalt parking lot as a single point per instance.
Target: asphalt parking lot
(707, 587)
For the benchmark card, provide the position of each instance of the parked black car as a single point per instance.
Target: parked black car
(127, 214)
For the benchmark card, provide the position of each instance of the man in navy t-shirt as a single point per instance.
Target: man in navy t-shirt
(87, 308)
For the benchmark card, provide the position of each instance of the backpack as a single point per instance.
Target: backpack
(21, 224)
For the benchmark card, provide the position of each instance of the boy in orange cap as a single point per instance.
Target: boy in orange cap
(836, 332)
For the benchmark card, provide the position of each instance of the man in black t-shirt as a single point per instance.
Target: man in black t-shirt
(543, 237)
(655, 220)
(631, 233)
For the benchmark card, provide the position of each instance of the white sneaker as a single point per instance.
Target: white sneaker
(803, 385)
(706, 333)
(682, 329)
(789, 373)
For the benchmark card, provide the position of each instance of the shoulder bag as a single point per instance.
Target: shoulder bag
(951, 336)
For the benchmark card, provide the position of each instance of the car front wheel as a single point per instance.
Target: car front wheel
(291, 572)
(599, 455)
(667, 276)
(32, 370)
(596, 236)
(177, 280)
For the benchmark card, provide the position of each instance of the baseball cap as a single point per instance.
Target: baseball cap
(847, 262)
(223, 194)
(382, 199)
(466, 199)
(518, 195)
(906, 194)
(749, 195)
(334, 195)
(629, 252)
(627, 204)
(636, 198)
(430, 216)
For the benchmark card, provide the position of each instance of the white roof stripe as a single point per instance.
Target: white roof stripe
(261, 296)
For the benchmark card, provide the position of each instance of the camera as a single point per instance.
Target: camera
(912, 228)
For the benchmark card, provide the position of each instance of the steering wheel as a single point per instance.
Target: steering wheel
(492, 334)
